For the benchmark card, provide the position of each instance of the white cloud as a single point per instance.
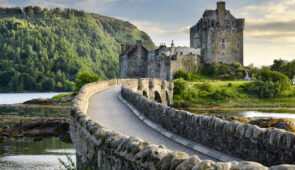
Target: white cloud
(273, 21)
(155, 28)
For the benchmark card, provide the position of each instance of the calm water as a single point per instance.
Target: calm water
(29, 154)
(15, 98)
(264, 114)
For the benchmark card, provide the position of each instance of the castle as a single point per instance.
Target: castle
(220, 36)
(217, 37)
(162, 63)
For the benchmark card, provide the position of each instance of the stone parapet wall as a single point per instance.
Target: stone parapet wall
(244, 141)
(100, 148)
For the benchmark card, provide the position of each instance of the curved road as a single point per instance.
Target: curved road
(106, 108)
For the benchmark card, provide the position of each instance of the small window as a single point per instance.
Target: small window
(238, 45)
(223, 46)
(223, 40)
(181, 53)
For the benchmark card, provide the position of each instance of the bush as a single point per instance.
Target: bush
(207, 87)
(84, 78)
(221, 95)
(180, 87)
(223, 71)
(182, 74)
(269, 84)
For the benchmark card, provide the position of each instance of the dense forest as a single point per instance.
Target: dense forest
(44, 50)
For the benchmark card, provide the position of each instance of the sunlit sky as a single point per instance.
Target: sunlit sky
(269, 32)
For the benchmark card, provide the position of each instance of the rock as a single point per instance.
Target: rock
(247, 165)
(39, 101)
(66, 100)
(189, 163)
(203, 165)
(283, 167)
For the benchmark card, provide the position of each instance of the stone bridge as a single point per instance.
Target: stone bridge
(108, 135)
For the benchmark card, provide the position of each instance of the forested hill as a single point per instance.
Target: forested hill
(43, 50)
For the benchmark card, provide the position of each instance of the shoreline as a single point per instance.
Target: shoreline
(239, 108)
(36, 106)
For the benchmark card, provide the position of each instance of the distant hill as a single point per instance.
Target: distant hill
(43, 50)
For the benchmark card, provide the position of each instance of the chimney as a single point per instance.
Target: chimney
(221, 10)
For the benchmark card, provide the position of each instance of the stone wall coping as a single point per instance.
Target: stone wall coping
(185, 142)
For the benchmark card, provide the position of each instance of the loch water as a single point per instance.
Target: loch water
(29, 154)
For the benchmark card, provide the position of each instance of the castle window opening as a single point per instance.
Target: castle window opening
(223, 46)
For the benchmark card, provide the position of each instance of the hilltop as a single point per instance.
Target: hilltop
(44, 50)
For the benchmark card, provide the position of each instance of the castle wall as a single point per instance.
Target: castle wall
(133, 63)
(219, 35)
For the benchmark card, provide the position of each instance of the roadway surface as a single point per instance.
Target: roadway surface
(106, 108)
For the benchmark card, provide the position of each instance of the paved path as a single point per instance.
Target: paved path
(106, 109)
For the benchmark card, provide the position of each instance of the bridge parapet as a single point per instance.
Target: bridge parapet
(157, 90)
(100, 148)
(244, 141)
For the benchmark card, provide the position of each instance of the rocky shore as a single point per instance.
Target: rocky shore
(50, 101)
(36, 129)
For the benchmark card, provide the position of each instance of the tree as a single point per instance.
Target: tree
(84, 78)
(269, 84)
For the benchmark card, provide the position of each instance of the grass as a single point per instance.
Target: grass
(238, 98)
(60, 96)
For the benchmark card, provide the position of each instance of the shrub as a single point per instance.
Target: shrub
(84, 78)
(221, 95)
(269, 84)
(207, 87)
(180, 87)
(182, 74)
(223, 71)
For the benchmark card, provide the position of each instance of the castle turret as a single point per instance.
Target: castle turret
(221, 10)
(172, 48)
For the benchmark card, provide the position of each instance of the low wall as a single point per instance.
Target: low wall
(100, 148)
(244, 141)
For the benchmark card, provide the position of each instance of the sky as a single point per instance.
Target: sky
(269, 31)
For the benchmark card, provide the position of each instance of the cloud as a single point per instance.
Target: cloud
(273, 21)
(47, 4)
(155, 28)
(94, 5)
(5, 3)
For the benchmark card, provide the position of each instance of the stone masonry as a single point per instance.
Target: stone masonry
(162, 63)
(100, 148)
(219, 35)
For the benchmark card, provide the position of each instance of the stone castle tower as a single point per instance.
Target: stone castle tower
(219, 35)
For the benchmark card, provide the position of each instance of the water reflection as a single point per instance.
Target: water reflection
(30, 154)
(263, 114)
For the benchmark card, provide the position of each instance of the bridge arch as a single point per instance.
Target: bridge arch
(167, 99)
(144, 93)
(158, 97)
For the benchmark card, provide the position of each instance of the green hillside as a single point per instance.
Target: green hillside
(43, 50)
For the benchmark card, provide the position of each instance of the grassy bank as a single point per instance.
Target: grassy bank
(229, 94)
